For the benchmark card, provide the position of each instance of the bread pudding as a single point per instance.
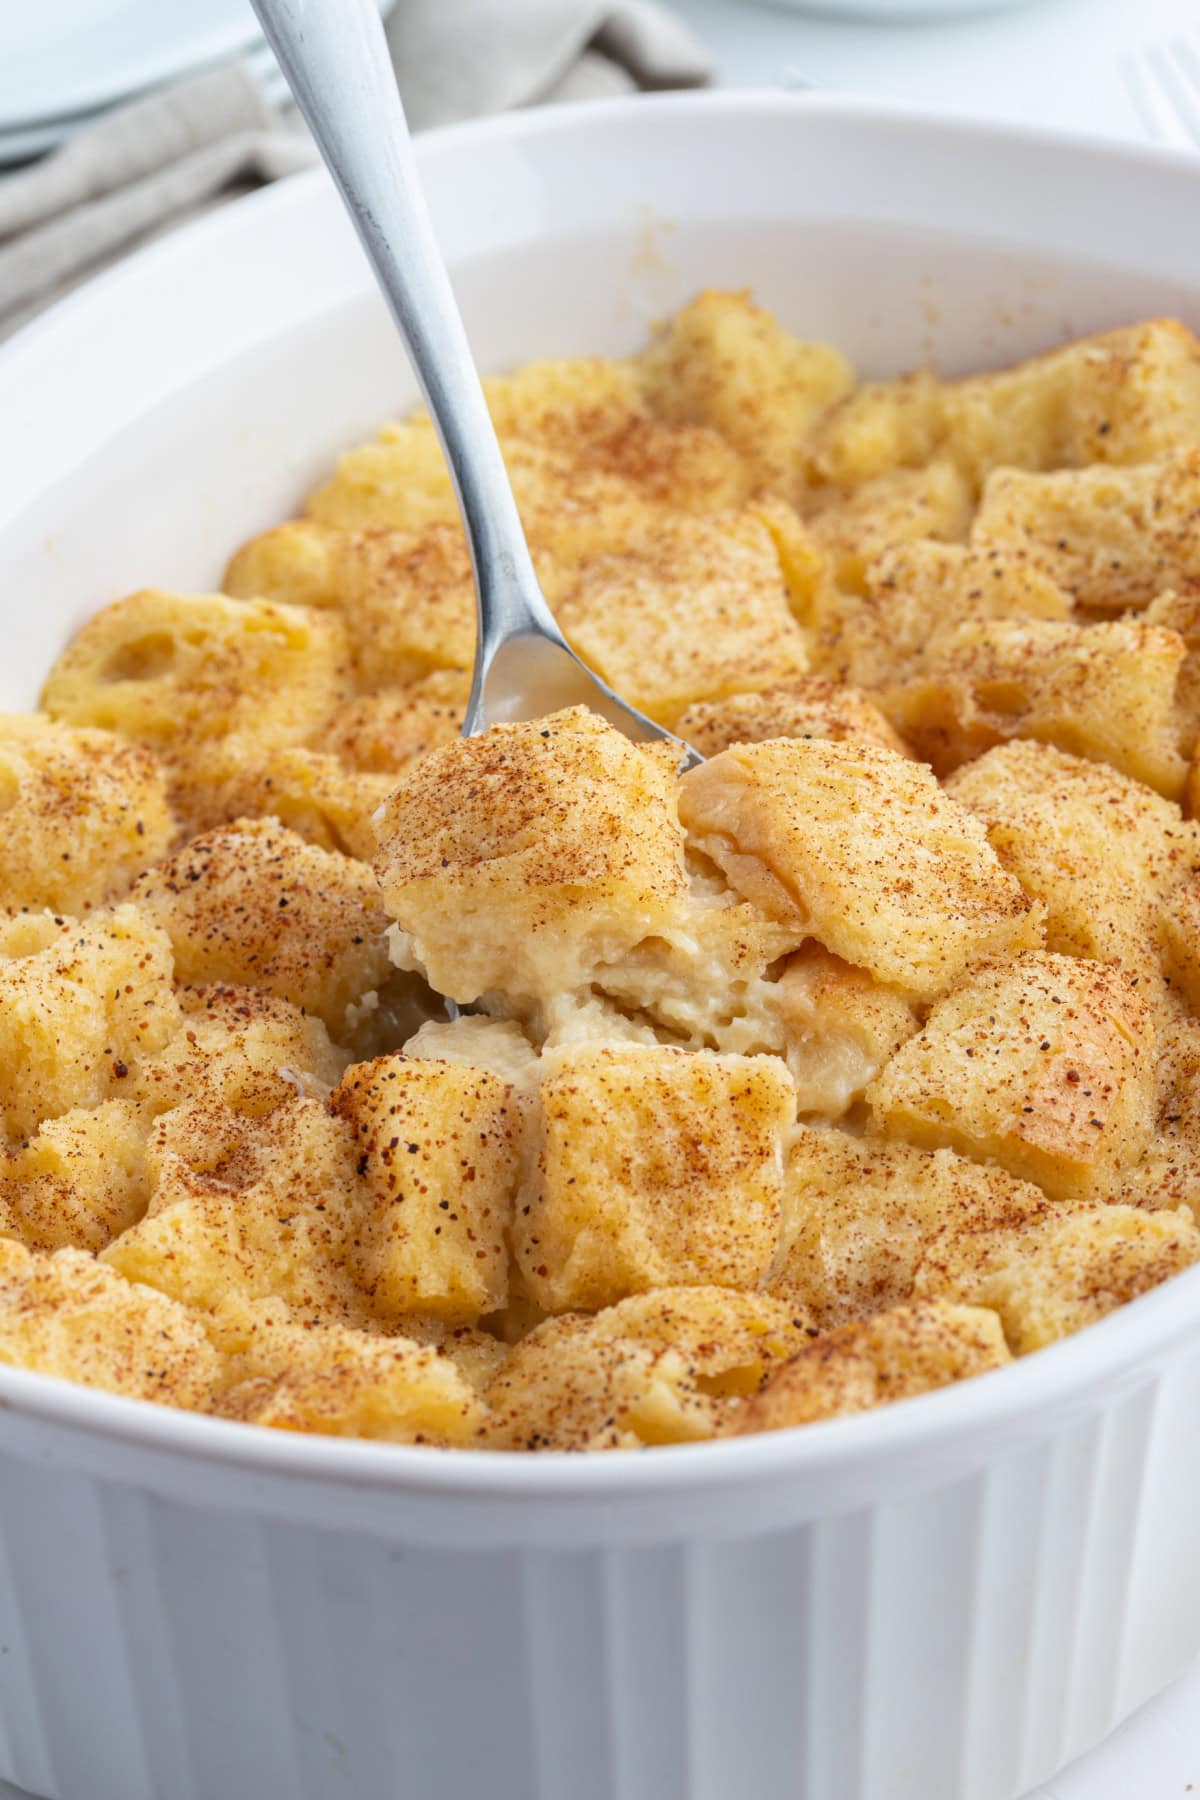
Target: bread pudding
(859, 1060)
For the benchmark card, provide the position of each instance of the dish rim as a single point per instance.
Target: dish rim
(1125, 1344)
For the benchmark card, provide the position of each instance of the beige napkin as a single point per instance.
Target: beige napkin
(150, 164)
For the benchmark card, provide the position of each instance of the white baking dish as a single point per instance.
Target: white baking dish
(945, 1601)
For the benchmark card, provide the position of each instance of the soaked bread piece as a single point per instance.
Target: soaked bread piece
(1045, 1065)
(896, 1355)
(82, 1004)
(256, 906)
(79, 1180)
(860, 1213)
(517, 859)
(854, 525)
(82, 814)
(664, 1367)
(807, 706)
(437, 1150)
(653, 1168)
(1114, 539)
(210, 685)
(1061, 1270)
(700, 613)
(70, 1316)
(859, 848)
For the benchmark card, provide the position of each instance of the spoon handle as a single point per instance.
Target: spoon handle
(335, 57)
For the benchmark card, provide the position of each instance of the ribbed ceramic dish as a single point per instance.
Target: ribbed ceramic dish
(944, 1601)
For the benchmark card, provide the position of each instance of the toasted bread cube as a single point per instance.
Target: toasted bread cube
(1168, 1176)
(1044, 1063)
(861, 850)
(68, 1315)
(1111, 538)
(912, 592)
(861, 1213)
(315, 796)
(663, 1367)
(1104, 691)
(289, 1372)
(256, 906)
(78, 1181)
(398, 482)
(211, 685)
(253, 1208)
(379, 734)
(78, 1011)
(560, 828)
(700, 613)
(906, 1351)
(1180, 614)
(726, 363)
(294, 564)
(840, 1026)
(808, 706)
(438, 1150)
(408, 599)
(245, 1049)
(856, 524)
(1126, 396)
(83, 814)
(1061, 1271)
(1100, 850)
(655, 1167)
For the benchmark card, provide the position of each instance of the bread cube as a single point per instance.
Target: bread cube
(724, 362)
(382, 733)
(78, 1181)
(700, 613)
(664, 1367)
(861, 1213)
(1105, 691)
(913, 592)
(70, 1316)
(896, 1355)
(861, 850)
(655, 1167)
(1168, 1176)
(242, 1048)
(83, 814)
(1111, 538)
(808, 706)
(248, 1208)
(1180, 614)
(839, 1028)
(408, 599)
(289, 1372)
(438, 1158)
(79, 1014)
(1043, 1063)
(1061, 1271)
(211, 685)
(517, 859)
(256, 906)
(316, 797)
(294, 564)
(1126, 396)
(1098, 849)
(858, 523)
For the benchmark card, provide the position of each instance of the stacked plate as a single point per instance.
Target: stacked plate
(64, 62)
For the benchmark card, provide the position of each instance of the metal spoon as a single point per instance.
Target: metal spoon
(335, 58)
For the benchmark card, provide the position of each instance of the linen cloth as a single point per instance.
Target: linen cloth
(162, 158)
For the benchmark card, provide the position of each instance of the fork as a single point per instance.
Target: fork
(1163, 83)
(335, 58)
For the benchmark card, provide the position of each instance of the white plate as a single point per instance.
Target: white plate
(72, 56)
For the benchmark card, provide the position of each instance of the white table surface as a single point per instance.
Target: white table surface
(1055, 63)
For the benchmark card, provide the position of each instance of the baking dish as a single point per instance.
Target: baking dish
(946, 1600)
